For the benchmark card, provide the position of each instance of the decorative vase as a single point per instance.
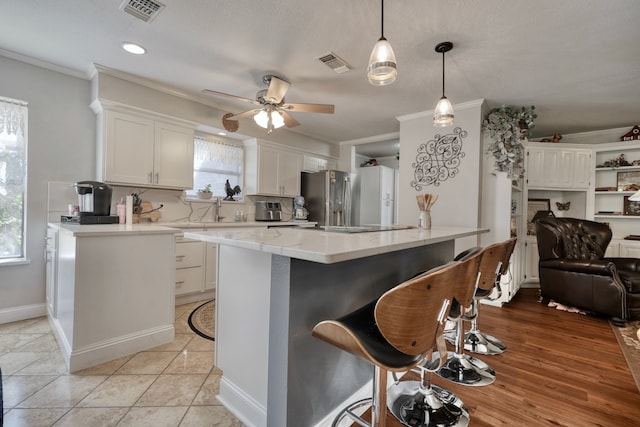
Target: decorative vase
(204, 195)
(424, 220)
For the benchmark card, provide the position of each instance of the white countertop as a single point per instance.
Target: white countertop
(91, 230)
(327, 247)
(178, 227)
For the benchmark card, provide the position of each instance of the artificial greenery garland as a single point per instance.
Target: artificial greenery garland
(508, 127)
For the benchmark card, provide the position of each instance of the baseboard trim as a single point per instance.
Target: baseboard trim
(241, 405)
(189, 298)
(15, 314)
(112, 349)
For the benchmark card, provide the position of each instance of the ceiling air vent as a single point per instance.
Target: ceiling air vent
(145, 10)
(334, 62)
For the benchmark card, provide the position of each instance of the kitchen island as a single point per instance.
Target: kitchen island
(114, 291)
(275, 284)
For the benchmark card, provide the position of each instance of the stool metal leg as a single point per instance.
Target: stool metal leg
(465, 369)
(478, 342)
(420, 404)
(377, 403)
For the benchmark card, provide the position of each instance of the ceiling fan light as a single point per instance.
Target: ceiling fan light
(443, 114)
(382, 68)
(261, 119)
(277, 119)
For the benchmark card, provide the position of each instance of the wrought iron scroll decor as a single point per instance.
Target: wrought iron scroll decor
(438, 159)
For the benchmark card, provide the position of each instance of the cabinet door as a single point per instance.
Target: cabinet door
(268, 179)
(128, 150)
(289, 168)
(173, 156)
(535, 168)
(581, 169)
(629, 250)
(564, 169)
(531, 259)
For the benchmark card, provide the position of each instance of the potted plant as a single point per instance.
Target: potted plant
(508, 127)
(205, 192)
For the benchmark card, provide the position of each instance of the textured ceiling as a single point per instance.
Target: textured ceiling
(577, 61)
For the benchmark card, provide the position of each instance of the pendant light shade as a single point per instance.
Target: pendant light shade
(443, 113)
(382, 68)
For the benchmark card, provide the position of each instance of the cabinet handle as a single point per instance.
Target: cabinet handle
(179, 284)
(157, 177)
(179, 257)
(150, 178)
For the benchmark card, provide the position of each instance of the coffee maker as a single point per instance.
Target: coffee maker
(94, 202)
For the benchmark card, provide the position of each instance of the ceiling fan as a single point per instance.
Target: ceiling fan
(273, 111)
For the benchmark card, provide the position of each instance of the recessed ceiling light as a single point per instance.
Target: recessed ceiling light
(134, 48)
(222, 133)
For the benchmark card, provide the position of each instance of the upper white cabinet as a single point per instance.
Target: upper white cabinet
(315, 164)
(271, 170)
(556, 167)
(144, 150)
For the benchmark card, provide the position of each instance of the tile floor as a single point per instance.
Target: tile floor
(171, 385)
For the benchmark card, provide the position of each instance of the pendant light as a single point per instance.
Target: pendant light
(443, 113)
(382, 62)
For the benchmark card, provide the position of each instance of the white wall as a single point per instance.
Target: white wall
(61, 147)
(459, 196)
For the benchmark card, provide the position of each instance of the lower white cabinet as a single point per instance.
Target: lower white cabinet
(629, 249)
(196, 265)
(531, 259)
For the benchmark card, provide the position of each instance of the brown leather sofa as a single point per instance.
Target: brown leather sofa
(574, 271)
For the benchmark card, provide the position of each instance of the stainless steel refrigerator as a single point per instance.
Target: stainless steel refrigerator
(328, 196)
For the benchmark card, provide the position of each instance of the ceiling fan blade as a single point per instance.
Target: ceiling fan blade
(288, 120)
(245, 114)
(226, 95)
(309, 108)
(276, 91)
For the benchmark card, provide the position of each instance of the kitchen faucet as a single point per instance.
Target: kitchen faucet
(216, 209)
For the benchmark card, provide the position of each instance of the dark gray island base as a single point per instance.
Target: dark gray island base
(274, 372)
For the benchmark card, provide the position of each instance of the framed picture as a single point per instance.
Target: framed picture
(631, 208)
(629, 181)
(533, 206)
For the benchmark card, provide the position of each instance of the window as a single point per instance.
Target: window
(13, 178)
(214, 162)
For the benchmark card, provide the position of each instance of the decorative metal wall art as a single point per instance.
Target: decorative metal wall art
(438, 159)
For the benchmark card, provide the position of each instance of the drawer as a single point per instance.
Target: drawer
(188, 280)
(188, 254)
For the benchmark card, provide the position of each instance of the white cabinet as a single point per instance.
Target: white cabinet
(51, 263)
(271, 170)
(531, 259)
(556, 167)
(189, 270)
(628, 249)
(315, 164)
(144, 150)
(196, 270)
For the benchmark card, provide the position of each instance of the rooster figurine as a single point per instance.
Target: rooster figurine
(231, 191)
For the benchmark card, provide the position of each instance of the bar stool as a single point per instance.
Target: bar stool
(474, 340)
(459, 367)
(421, 404)
(394, 333)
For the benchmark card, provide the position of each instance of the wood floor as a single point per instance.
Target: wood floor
(560, 369)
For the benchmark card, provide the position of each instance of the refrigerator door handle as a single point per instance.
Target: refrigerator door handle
(346, 201)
